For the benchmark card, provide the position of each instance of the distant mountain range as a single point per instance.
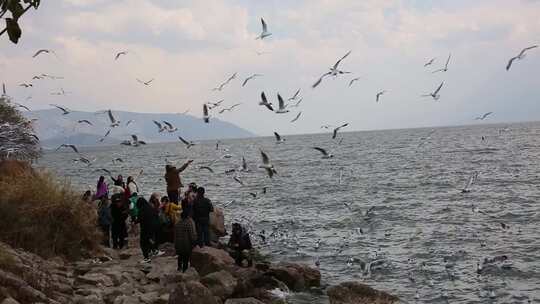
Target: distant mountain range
(54, 129)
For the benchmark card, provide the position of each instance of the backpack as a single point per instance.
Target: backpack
(133, 210)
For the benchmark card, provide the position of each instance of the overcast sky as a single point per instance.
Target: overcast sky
(189, 47)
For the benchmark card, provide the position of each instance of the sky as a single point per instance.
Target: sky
(190, 47)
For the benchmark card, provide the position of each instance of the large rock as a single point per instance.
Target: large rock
(243, 301)
(256, 284)
(95, 279)
(221, 284)
(191, 293)
(358, 293)
(207, 260)
(297, 277)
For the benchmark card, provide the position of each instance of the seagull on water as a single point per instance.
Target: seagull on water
(295, 96)
(334, 71)
(188, 144)
(430, 62)
(120, 54)
(278, 137)
(296, 118)
(206, 117)
(146, 83)
(282, 107)
(114, 123)
(250, 77)
(379, 95)
(435, 94)
(445, 69)
(520, 56)
(267, 165)
(334, 135)
(65, 111)
(325, 153)
(72, 147)
(484, 116)
(85, 121)
(353, 80)
(265, 33)
(264, 102)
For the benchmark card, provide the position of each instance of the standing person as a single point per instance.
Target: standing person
(119, 216)
(185, 238)
(101, 189)
(174, 183)
(201, 213)
(131, 187)
(105, 220)
(168, 217)
(240, 245)
(147, 217)
(119, 181)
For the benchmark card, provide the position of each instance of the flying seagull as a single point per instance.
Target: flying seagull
(445, 69)
(353, 80)
(85, 121)
(265, 33)
(281, 105)
(188, 144)
(249, 78)
(334, 135)
(72, 147)
(267, 165)
(296, 118)
(120, 54)
(22, 106)
(435, 94)
(161, 128)
(264, 102)
(106, 134)
(216, 104)
(379, 95)
(295, 95)
(221, 86)
(136, 142)
(114, 123)
(484, 116)
(334, 71)
(26, 85)
(206, 168)
(430, 62)
(206, 117)
(229, 108)
(43, 51)
(146, 83)
(325, 154)
(170, 128)
(520, 56)
(65, 111)
(278, 137)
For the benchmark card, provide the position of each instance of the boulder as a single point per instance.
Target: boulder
(217, 223)
(222, 284)
(358, 293)
(175, 277)
(243, 301)
(207, 260)
(297, 277)
(255, 284)
(191, 292)
(10, 301)
(95, 279)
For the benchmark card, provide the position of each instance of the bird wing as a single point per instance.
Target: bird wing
(158, 124)
(234, 106)
(263, 97)
(107, 133)
(323, 151)
(233, 76)
(295, 95)
(59, 107)
(264, 26)
(526, 49)
(281, 102)
(183, 140)
(111, 117)
(135, 138)
(205, 110)
(510, 63)
(73, 148)
(39, 52)
(168, 124)
(149, 81)
(448, 61)
(265, 158)
(320, 80)
(246, 80)
(438, 89)
(486, 115)
(85, 121)
(297, 116)
(278, 137)
(338, 62)
(269, 106)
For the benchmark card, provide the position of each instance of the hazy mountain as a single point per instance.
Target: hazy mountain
(53, 128)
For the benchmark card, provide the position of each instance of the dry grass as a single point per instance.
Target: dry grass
(44, 216)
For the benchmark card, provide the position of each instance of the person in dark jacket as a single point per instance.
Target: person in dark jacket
(119, 181)
(185, 238)
(105, 220)
(174, 183)
(119, 215)
(148, 219)
(201, 214)
(240, 245)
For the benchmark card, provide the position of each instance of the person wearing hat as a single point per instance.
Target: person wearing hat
(174, 183)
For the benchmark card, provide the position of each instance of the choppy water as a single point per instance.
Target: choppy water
(419, 214)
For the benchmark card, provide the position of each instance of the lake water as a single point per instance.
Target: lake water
(412, 179)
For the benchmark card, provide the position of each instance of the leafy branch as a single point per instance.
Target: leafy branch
(16, 8)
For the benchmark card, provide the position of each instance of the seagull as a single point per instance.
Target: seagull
(238, 180)
(206, 117)
(65, 111)
(296, 118)
(267, 165)
(430, 62)
(244, 167)
(206, 168)
(264, 102)
(221, 86)
(188, 144)
(353, 80)
(333, 71)
(325, 154)
(26, 85)
(445, 69)
(470, 182)
(114, 123)
(435, 94)
(118, 159)
(68, 146)
(249, 78)
(85, 121)
(379, 95)
(484, 116)
(334, 135)
(136, 142)
(278, 138)
(43, 51)
(22, 106)
(129, 122)
(520, 56)
(146, 83)
(295, 95)
(37, 77)
(265, 33)
(120, 54)
(170, 128)
(281, 105)
(106, 134)
(216, 104)
(161, 128)
(229, 109)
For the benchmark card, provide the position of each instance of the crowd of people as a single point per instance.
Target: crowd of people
(179, 218)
